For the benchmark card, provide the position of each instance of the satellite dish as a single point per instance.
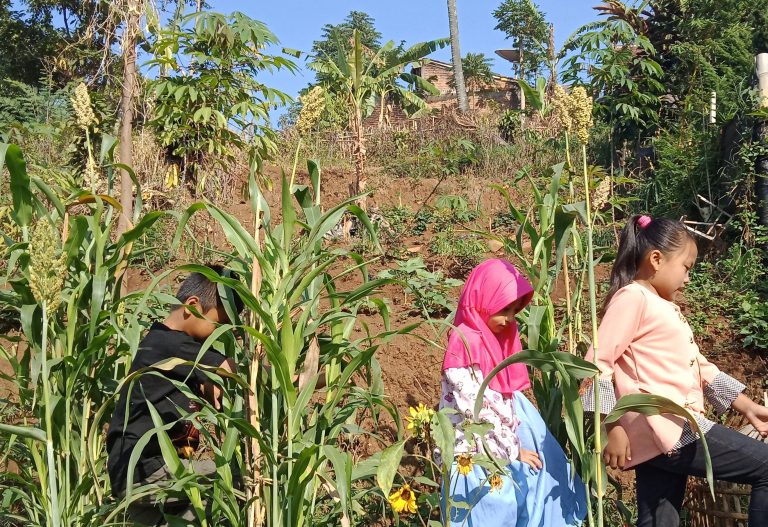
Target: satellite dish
(512, 55)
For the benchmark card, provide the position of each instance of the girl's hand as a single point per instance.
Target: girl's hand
(531, 458)
(757, 415)
(617, 451)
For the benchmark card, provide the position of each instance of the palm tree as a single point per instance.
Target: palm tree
(477, 72)
(360, 75)
(458, 72)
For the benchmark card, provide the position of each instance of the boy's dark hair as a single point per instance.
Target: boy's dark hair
(636, 241)
(197, 284)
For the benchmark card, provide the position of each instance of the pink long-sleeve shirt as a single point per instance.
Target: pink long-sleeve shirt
(645, 345)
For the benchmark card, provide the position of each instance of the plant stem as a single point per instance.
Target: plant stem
(255, 516)
(568, 306)
(593, 315)
(53, 509)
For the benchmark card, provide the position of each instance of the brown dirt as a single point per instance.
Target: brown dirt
(411, 366)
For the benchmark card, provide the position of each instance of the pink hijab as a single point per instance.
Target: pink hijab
(491, 286)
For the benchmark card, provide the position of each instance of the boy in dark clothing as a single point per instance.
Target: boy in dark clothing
(179, 336)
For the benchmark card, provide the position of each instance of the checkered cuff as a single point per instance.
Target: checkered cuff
(722, 391)
(607, 395)
(689, 436)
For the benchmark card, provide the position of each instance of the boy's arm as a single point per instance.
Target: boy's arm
(212, 392)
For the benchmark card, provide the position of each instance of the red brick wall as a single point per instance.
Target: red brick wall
(505, 90)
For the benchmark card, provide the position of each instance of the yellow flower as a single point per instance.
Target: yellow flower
(185, 452)
(91, 172)
(312, 107)
(561, 107)
(403, 500)
(81, 104)
(47, 265)
(419, 420)
(464, 464)
(496, 482)
(581, 113)
(602, 193)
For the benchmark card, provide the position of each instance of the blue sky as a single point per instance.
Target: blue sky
(297, 23)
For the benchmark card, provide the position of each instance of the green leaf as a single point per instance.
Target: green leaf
(342, 468)
(576, 367)
(29, 432)
(289, 213)
(648, 404)
(20, 184)
(108, 144)
(444, 435)
(314, 177)
(390, 462)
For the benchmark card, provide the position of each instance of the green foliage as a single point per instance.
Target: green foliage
(705, 46)
(752, 321)
(359, 75)
(76, 342)
(510, 124)
(685, 167)
(398, 218)
(617, 62)
(538, 243)
(736, 279)
(37, 109)
(452, 158)
(432, 292)
(523, 21)
(466, 250)
(27, 42)
(536, 95)
(441, 158)
(208, 96)
(336, 38)
(295, 440)
(478, 73)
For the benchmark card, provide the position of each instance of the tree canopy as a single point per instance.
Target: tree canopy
(338, 37)
(524, 23)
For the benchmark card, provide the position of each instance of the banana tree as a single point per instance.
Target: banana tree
(360, 75)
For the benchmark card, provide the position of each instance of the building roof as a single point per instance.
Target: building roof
(448, 66)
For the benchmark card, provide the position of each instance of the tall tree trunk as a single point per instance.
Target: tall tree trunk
(761, 136)
(458, 71)
(382, 108)
(522, 76)
(359, 155)
(552, 56)
(130, 35)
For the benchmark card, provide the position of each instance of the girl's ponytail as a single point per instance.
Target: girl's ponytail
(640, 235)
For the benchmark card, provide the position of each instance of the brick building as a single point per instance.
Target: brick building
(504, 91)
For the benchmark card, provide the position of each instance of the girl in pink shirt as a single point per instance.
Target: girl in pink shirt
(645, 345)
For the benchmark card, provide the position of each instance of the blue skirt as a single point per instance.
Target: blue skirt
(550, 497)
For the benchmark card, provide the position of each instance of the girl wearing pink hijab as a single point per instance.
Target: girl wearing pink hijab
(540, 490)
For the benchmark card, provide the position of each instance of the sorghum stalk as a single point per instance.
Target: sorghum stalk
(593, 316)
(53, 508)
(255, 516)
